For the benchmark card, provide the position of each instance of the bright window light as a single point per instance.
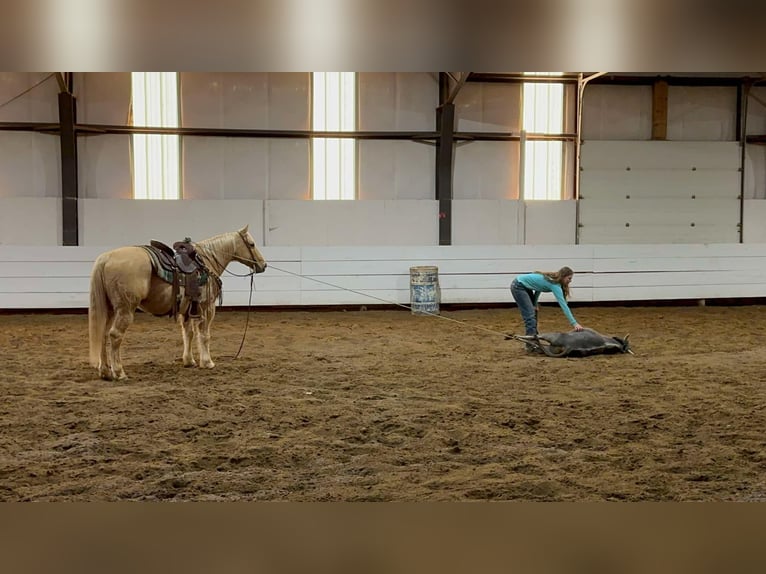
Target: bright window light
(334, 159)
(156, 163)
(543, 106)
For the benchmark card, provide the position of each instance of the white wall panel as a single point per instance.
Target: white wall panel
(756, 110)
(659, 192)
(397, 101)
(673, 292)
(488, 107)
(352, 222)
(659, 183)
(659, 155)
(693, 257)
(130, 222)
(487, 222)
(289, 169)
(550, 222)
(225, 168)
(617, 112)
(695, 113)
(246, 100)
(755, 172)
(658, 234)
(30, 221)
(447, 253)
(104, 170)
(754, 221)
(203, 164)
(243, 168)
(486, 170)
(103, 97)
(30, 165)
(467, 274)
(698, 113)
(38, 104)
(682, 212)
(395, 170)
(689, 279)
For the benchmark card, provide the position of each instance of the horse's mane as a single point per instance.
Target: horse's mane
(217, 248)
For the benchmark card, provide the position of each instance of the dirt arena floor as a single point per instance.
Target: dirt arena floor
(381, 405)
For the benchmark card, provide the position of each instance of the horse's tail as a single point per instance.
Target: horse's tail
(98, 312)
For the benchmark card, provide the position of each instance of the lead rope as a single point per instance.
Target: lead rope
(390, 302)
(247, 318)
(220, 293)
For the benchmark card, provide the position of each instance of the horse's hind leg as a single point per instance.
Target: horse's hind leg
(187, 332)
(104, 364)
(123, 318)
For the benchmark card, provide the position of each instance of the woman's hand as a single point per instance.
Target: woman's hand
(578, 327)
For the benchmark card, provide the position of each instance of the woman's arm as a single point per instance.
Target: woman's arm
(559, 295)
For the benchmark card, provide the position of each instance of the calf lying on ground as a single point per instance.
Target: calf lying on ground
(576, 343)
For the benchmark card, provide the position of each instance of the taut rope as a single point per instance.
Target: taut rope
(463, 323)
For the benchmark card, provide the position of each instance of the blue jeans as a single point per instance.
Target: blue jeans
(525, 300)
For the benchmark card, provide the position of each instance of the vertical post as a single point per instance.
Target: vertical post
(445, 149)
(743, 92)
(578, 151)
(522, 185)
(660, 110)
(522, 164)
(69, 192)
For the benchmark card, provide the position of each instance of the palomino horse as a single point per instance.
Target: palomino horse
(123, 280)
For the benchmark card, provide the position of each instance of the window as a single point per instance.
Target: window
(333, 159)
(156, 158)
(543, 107)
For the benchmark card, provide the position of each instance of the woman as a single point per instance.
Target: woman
(526, 291)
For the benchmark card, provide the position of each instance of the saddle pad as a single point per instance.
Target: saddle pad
(161, 272)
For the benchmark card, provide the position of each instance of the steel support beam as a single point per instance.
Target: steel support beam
(743, 93)
(445, 151)
(648, 80)
(69, 191)
(459, 83)
(520, 78)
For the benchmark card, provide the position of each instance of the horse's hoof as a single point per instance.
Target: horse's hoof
(106, 376)
(190, 364)
(209, 365)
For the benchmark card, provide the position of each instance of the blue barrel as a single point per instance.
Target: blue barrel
(425, 294)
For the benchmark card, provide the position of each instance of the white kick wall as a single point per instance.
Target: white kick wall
(370, 243)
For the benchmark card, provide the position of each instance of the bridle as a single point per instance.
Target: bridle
(250, 248)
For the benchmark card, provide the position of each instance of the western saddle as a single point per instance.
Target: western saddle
(182, 267)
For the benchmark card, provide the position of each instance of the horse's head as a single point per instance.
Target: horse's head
(247, 253)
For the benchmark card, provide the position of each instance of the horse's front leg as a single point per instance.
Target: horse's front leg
(203, 339)
(187, 332)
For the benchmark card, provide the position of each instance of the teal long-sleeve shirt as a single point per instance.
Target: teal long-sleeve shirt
(538, 283)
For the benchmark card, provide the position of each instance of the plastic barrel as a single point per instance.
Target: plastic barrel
(425, 294)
